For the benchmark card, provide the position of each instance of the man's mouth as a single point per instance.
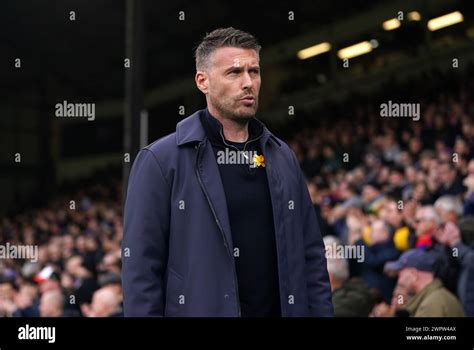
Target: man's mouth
(248, 99)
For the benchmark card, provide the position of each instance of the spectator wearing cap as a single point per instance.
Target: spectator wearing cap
(47, 279)
(430, 298)
(50, 281)
(461, 240)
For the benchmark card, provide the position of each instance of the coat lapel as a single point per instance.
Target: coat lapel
(214, 190)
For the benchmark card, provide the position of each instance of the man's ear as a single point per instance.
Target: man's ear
(202, 81)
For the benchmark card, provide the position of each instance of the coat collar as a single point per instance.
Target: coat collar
(190, 130)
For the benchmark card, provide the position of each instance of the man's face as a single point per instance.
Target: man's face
(391, 214)
(407, 278)
(231, 82)
(379, 233)
(6, 291)
(47, 307)
(424, 224)
(446, 173)
(98, 306)
(369, 193)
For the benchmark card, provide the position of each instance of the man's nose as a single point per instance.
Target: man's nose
(246, 81)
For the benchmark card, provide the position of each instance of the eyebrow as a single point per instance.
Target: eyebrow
(240, 68)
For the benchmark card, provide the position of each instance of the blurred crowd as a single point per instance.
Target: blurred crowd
(76, 272)
(401, 191)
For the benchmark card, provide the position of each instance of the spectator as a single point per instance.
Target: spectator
(428, 233)
(427, 222)
(381, 250)
(451, 184)
(372, 197)
(26, 301)
(351, 298)
(7, 296)
(105, 303)
(468, 182)
(317, 199)
(403, 235)
(463, 250)
(430, 298)
(449, 208)
(84, 281)
(52, 304)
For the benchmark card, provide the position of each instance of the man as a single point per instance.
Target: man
(52, 304)
(403, 236)
(218, 220)
(350, 297)
(7, 296)
(460, 240)
(105, 303)
(449, 208)
(372, 197)
(430, 298)
(380, 250)
(428, 233)
(450, 182)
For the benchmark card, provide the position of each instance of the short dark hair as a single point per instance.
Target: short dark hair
(8, 280)
(223, 37)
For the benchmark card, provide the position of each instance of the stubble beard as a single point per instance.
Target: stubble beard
(227, 112)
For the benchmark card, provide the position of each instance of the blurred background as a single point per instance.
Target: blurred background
(388, 184)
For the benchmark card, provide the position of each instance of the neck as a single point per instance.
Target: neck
(234, 131)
